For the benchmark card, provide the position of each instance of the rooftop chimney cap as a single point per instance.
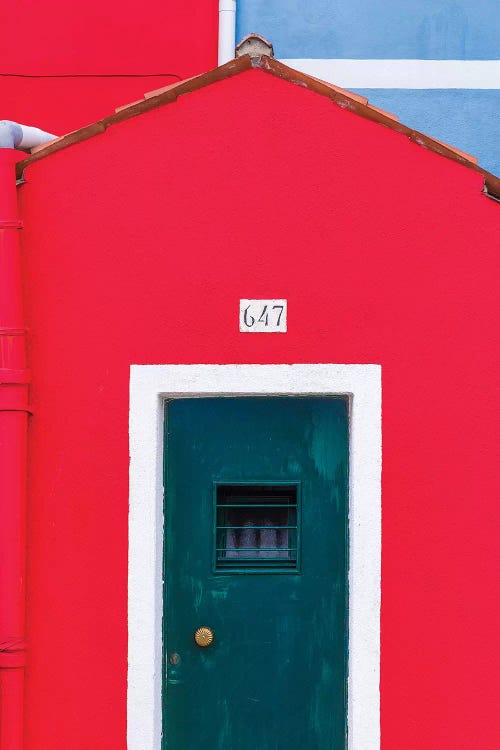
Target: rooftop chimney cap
(254, 45)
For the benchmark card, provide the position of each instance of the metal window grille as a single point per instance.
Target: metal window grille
(257, 527)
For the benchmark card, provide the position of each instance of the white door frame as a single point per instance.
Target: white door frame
(150, 385)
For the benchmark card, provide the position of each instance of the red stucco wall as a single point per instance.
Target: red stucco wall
(138, 245)
(65, 42)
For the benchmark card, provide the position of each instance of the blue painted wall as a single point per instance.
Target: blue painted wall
(398, 29)
(421, 29)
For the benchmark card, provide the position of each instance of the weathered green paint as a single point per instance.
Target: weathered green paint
(275, 677)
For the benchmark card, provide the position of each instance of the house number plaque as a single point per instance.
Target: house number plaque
(263, 315)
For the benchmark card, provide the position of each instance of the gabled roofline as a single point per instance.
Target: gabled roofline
(345, 99)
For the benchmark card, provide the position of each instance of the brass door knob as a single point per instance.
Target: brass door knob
(204, 636)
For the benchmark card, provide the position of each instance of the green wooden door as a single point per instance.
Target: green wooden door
(256, 549)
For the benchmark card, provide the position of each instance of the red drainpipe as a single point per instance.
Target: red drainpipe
(14, 379)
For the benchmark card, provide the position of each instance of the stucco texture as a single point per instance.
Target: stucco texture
(138, 244)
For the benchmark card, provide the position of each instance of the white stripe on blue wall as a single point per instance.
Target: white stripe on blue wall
(403, 74)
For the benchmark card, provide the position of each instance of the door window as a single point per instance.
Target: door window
(257, 527)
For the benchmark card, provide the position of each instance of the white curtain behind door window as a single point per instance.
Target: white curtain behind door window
(260, 543)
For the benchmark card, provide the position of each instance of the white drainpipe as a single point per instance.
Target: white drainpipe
(227, 30)
(23, 137)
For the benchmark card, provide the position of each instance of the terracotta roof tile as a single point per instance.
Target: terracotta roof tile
(341, 97)
(384, 112)
(464, 154)
(157, 92)
(36, 149)
(66, 140)
(126, 106)
(346, 92)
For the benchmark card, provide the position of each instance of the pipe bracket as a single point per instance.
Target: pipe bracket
(12, 653)
(14, 377)
(11, 224)
(13, 331)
